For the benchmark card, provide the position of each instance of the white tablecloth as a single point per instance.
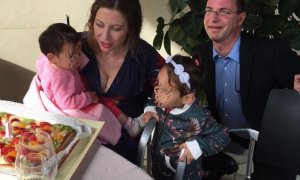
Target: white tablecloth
(103, 163)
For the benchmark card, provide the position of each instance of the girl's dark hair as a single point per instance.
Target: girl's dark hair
(130, 9)
(191, 66)
(56, 36)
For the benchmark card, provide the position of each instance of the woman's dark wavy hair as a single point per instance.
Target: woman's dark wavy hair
(195, 72)
(56, 36)
(131, 9)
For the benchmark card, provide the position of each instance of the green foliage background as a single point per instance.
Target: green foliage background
(271, 18)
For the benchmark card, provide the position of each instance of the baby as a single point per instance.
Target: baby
(58, 70)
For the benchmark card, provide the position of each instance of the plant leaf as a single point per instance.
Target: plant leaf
(295, 44)
(252, 7)
(270, 2)
(191, 42)
(297, 11)
(287, 7)
(273, 24)
(183, 43)
(290, 34)
(175, 31)
(252, 22)
(197, 6)
(167, 43)
(177, 5)
(192, 24)
(161, 24)
(158, 40)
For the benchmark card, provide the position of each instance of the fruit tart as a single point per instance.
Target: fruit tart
(12, 127)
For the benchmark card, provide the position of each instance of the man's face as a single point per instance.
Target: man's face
(222, 21)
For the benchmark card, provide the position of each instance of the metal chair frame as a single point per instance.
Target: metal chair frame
(253, 134)
(144, 145)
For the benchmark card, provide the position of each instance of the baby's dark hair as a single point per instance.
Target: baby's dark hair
(56, 36)
(195, 72)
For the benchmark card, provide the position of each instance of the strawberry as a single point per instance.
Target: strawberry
(27, 134)
(14, 120)
(1, 145)
(43, 123)
(23, 132)
(6, 149)
(2, 133)
(32, 137)
(15, 141)
(34, 125)
(10, 159)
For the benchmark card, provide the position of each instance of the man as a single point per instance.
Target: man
(241, 71)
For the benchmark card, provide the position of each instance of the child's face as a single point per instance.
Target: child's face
(166, 95)
(69, 57)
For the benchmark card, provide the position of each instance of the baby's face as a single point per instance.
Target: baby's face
(167, 94)
(69, 57)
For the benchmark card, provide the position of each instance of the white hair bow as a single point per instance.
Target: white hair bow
(184, 77)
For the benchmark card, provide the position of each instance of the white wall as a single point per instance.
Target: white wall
(22, 21)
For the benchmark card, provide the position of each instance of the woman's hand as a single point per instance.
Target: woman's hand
(149, 115)
(186, 154)
(93, 96)
(111, 105)
(297, 82)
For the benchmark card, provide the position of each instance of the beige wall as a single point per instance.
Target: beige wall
(21, 22)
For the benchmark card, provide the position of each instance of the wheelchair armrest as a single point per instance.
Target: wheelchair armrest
(252, 133)
(180, 168)
(144, 140)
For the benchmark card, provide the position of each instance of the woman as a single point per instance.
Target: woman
(122, 67)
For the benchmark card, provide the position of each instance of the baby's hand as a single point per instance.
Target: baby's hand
(93, 96)
(149, 115)
(186, 154)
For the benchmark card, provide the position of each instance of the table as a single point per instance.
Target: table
(91, 160)
(73, 160)
(103, 163)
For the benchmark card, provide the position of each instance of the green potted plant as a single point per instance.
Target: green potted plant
(272, 18)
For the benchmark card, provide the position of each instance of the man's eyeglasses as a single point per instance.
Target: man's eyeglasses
(220, 12)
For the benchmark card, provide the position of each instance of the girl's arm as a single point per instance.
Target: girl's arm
(213, 137)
